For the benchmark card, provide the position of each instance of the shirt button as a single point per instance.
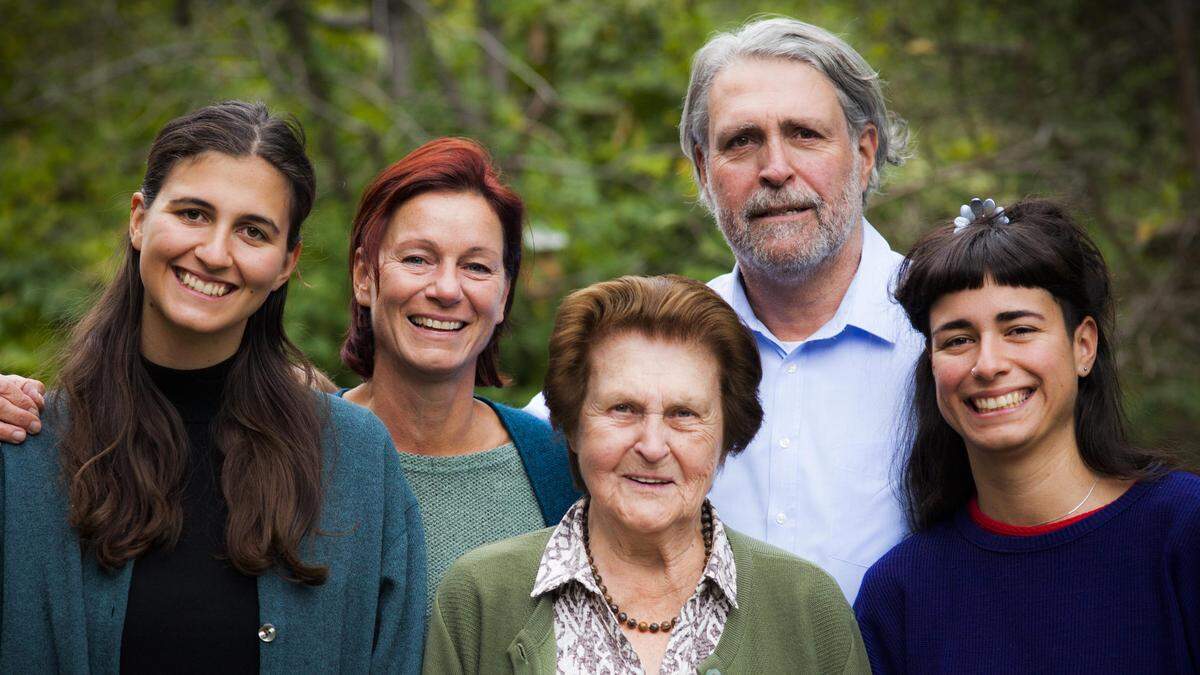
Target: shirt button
(267, 632)
(784, 442)
(791, 368)
(779, 518)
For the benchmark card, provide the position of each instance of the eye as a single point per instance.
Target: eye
(806, 133)
(478, 268)
(255, 233)
(739, 141)
(414, 260)
(622, 409)
(684, 413)
(1022, 330)
(955, 341)
(192, 215)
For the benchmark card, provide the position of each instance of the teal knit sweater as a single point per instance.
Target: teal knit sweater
(63, 613)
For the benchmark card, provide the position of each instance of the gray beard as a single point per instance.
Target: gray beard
(792, 250)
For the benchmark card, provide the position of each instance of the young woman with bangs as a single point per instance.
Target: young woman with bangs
(1043, 541)
(191, 504)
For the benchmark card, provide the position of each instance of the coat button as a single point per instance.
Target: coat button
(266, 632)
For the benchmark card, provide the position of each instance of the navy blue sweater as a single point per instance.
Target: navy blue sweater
(1117, 592)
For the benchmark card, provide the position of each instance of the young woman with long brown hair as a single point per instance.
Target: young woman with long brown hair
(192, 505)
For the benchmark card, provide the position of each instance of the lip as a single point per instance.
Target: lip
(437, 317)
(637, 479)
(773, 216)
(993, 393)
(207, 278)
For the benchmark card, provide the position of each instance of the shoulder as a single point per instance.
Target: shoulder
(1174, 500)
(348, 425)
(39, 454)
(504, 567)
(523, 426)
(723, 285)
(773, 573)
(494, 579)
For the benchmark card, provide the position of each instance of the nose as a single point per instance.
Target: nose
(990, 360)
(214, 251)
(445, 288)
(776, 169)
(652, 443)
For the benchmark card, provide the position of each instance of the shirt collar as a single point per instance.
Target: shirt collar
(565, 560)
(863, 306)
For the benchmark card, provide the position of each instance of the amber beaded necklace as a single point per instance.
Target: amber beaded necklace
(706, 529)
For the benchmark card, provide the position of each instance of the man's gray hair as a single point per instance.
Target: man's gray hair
(858, 86)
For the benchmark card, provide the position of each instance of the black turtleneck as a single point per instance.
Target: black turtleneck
(189, 609)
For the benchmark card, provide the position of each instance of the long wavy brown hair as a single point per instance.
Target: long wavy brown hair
(124, 449)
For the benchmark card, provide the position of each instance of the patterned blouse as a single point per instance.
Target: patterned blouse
(588, 635)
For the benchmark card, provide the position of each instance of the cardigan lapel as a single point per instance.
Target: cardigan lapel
(544, 455)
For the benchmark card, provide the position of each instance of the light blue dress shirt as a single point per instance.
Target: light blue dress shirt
(820, 478)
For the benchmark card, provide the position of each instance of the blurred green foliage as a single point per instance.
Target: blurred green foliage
(1094, 102)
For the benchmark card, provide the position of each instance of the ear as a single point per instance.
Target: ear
(868, 144)
(137, 218)
(289, 266)
(1085, 342)
(701, 168)
(362, 279)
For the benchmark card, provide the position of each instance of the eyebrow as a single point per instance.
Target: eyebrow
(429, 244)
(1002, 317)
(200, 203)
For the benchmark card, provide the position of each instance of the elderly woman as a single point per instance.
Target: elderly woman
(1043, 541)
(654, 382)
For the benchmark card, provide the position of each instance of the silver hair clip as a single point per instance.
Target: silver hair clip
(979, 209)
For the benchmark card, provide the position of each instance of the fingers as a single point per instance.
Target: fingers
(35, 390)
(18, 410)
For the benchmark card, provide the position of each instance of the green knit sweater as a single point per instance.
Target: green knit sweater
(469, 500)
(791, 616)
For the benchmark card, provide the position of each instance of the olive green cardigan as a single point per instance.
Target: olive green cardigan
(791, 617)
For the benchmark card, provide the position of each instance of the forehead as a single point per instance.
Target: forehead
(632, 364)
(983, 304)
(451, 220)
(238, 185)
(758, 90)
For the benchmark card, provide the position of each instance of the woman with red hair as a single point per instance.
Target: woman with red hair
(435, 252)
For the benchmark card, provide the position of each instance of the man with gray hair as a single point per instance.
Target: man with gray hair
(787, 131)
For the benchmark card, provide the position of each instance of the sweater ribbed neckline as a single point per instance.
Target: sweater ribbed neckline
(1005, 543)
(195, 393)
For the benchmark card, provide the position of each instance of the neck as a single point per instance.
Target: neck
(183, 350)
(663, 565)
(426, 417)
(795, 308)
(1041, 485)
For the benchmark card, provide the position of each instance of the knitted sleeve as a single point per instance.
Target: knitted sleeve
(400, 618)
(452, 646)
(880, 611)
(1183, 572)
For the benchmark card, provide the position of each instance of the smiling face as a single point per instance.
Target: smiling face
(650, 430)
(1006, 368)
(213, 245)
(440, 288)
(783, 176)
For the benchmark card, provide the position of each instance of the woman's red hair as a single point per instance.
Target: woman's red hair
(442, 165)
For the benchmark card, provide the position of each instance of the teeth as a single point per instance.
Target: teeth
(652, 481)
(435, 324)
(214, 289)
(1009, 400)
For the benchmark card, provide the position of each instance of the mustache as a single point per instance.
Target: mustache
(775, 200)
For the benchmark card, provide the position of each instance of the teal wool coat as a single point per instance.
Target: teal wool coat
(63, 613)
